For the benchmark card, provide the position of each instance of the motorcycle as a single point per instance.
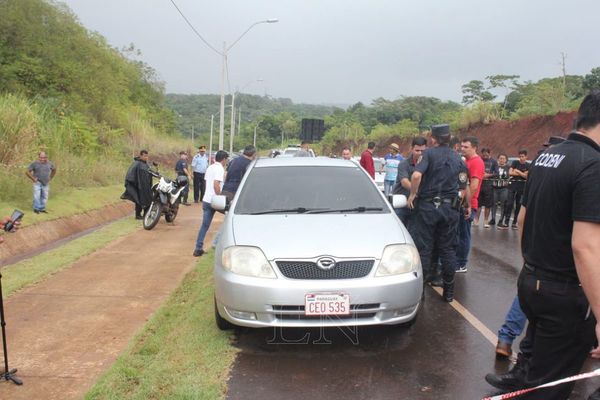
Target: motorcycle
(165, 199)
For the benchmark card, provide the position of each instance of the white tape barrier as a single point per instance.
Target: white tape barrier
(545, 385)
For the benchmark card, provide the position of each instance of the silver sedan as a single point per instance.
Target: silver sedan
(313, 242)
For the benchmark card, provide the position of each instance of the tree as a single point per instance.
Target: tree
(591, 81)
(475, 91)
(506, 82)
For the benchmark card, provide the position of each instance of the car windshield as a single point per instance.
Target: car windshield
(308, 189)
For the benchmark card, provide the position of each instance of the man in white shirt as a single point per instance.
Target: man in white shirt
(214, 179)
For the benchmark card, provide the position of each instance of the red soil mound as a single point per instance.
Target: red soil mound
(506, 136)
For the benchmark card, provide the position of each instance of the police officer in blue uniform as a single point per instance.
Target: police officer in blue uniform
(434, 195)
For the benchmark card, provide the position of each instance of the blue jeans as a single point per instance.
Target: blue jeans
(40, 195)
(464, 240)
(207, 215)
(514, 323)
(388, 187)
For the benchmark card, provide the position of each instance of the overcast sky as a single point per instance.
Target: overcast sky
(344, 51)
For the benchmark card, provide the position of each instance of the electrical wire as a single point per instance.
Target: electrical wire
(194, 29)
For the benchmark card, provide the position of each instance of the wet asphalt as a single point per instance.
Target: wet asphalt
(441, 356)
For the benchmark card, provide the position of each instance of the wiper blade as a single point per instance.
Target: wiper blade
(297, 210)
(347, 210)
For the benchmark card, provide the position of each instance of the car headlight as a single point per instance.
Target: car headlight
(248, 261)
(398, 259)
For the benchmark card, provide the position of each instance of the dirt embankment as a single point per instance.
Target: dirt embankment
(526, 133)
(502, 136)
(34, 238)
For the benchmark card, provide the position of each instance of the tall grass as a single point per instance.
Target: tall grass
(85, 152)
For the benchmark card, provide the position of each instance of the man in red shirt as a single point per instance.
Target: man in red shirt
(476, 169)
(366, 159)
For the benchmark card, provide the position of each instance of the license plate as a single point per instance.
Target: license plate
(327, 304)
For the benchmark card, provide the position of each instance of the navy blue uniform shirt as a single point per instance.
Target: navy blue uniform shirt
(444, 173)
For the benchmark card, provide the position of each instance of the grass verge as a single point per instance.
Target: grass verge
(35, 269)
(179, 354)
(63, 204)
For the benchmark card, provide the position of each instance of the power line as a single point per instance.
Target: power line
(194, 29)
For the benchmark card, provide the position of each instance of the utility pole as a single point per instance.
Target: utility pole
(239, 125)
(192, 135)
(222, 109)
(212, 119)
(564, 68)
(232, 131)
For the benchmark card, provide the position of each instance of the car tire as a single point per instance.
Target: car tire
(221, 322)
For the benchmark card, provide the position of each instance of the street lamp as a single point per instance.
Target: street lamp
(254, 142)
(212, 118)
(239, 125)
(224, 61)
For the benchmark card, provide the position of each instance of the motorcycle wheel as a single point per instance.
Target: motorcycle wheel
(152, 215)
(172, 213)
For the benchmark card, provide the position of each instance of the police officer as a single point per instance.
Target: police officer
(559, 285)
(434, 195)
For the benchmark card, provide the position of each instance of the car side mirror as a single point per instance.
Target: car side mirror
(219, 203)
(399, 201)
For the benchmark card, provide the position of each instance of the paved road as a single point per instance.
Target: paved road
(442, 356)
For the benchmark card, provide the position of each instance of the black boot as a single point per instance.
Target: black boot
(448, 293)
(510, 381)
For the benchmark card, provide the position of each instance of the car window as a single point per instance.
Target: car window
(310, 187)
(290, 151)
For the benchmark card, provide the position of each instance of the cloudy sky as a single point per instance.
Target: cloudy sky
(344, 51)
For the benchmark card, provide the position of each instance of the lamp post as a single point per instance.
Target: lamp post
(212, 118)
(224, 61)
(254, 142)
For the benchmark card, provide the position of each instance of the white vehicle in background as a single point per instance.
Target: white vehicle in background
(292, 149)
(379, 172)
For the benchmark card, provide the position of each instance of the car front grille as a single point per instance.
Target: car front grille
(296, 313)
(309, 270)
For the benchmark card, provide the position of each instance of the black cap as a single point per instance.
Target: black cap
(441, 130)
(552, 140)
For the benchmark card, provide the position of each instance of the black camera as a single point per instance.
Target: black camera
(16, 216)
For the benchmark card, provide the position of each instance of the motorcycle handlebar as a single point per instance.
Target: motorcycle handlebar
(154, 173)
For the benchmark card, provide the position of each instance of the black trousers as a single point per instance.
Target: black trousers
(513, 201)
(140, 211)
(199, 186)
(431, 228)
(561, 333)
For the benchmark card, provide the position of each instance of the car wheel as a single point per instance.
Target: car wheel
(221, 322)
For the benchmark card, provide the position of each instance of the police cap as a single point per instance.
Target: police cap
(442, 130)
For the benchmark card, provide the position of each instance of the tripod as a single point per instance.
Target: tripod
(8, 375)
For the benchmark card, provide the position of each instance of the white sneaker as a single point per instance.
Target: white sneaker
(462, 270)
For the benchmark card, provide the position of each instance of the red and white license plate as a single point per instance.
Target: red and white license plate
(327, 304)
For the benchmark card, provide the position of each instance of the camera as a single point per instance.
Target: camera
(16, 216)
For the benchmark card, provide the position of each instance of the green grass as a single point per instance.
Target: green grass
(36, 269)
(179, 354)
(66, 203)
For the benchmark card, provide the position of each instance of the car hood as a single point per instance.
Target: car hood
(307, 236)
